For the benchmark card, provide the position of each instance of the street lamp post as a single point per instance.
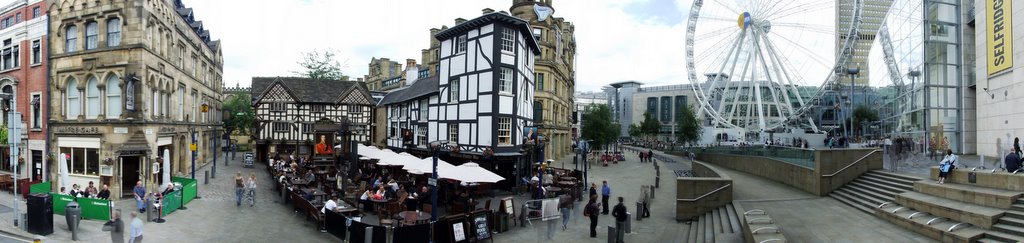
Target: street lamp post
(435, 148)
(853, 72)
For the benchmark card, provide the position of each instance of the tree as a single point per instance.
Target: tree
(634, 130)
(321, 65)
(863, 114)
(598, 126)
(242, 116)
(688, 124)
(650, 126)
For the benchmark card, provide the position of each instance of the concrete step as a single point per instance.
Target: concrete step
(700, 229)
(968, 193)
(716, 221)
(977, 215)
(895, 175)
(936, 230)
(878, 187)
(734, 219)
(844, 197)
(870, 198)
(1017, 207)
(1020, 201)
(868, 191)
(895, 183)
(1009, 229)
(1011, 221)
(988, 240)
(724, 220)
(996, 236)
(709, 227)
(1013, 214)
(691, 236)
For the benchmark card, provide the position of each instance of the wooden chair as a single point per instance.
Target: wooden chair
(427, 208)
(487, 204)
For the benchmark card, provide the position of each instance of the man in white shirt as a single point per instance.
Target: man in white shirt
(330, 205)
(135, 233)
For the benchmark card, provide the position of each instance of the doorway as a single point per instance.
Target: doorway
(37, 165)
(129, 174)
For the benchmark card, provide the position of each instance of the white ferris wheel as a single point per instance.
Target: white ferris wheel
(750, 62)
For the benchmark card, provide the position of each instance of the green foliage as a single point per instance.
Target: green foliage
(3, 134)
(242, 115)
(688, 124)
(650, 126)
(598, 126)
(634, 130)
(863, 114)
(321, 65)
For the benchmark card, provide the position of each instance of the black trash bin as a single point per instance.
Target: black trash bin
(40, 214)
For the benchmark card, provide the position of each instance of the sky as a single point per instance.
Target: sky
(617, 40)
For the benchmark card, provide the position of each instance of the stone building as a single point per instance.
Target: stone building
(23, 83)
(386, 75)
(131, 80)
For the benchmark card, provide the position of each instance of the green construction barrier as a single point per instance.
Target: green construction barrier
(93, 208)
(189, 188)
(60, 202)
(43, 187)
(171, 202)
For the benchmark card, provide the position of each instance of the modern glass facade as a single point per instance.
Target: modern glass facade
(924, 84)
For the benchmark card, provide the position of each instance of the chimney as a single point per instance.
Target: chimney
(459, 21)
(410, 63)
(359, 79)
(503, 12)
(488, 10)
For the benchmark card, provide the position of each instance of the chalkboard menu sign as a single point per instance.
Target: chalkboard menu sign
(507, 206)
(480, 225)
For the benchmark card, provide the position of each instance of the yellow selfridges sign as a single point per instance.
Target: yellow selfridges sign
(1000, 38)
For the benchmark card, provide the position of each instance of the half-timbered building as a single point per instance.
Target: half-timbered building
(480, 103)
(287, 108)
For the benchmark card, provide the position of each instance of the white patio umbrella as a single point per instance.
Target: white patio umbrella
(63, 170)
(427, 166)
(472, 172)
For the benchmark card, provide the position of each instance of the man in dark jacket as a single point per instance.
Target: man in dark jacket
(1012, 161)
(593, 210)
(620, 221)
(116, 227)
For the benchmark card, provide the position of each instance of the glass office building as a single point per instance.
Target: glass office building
(918, 61)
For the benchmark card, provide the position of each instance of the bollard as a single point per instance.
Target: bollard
(368, 235)
(629, 222)
(639, 211)
(652, 194)
(611, 234)
(390, 234)
(206, 178)
(214, 173)
(657, 181)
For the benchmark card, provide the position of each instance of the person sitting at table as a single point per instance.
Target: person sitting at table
(411, 200)
(305, 195)
(105, 193)
(381, 193)
(310, 178)
(74, 191)
(548, 179)
(90, 191)
(330, 204)
(63, 191)
(377, 182)
(365, 200)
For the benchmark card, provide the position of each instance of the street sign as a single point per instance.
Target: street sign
(192, 147)
(432, 181)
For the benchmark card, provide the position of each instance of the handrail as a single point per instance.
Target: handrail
(915, 214)
(705, 194)
(883, 204)
(933, 220)
(766, 228)
(770, 240)
(951, 228)
(749, 212)
(851, 164)
(754, 221)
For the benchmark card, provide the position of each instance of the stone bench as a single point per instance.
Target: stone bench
(938, 229)
(980, 216)
(990, 197)
(983, 178)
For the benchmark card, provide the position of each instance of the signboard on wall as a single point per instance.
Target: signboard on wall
(999, 25)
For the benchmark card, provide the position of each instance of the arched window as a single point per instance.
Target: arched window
(113, 97)
(74, 106)
(8, 92)
(71, 39)
(114, 32)
(92, 98)
(92, 31)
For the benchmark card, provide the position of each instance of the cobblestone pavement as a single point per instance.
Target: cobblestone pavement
(213, 218)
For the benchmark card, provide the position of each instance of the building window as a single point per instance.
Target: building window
(538, 111)
(307, 127)
(92, 98)
(538, 33)
(11, 55)
(37, 53)
(505, 80)
(666, 109)
(278, 107)
(181, 103)
(508, 40)
(113, 97)
(8, 90)
(37, 120)
(394, 130)
(540, 81)
(195, 105)
(423, 110)
(421, 135)
(114, 32)
(281, 127)
(505, 131)
(92, 31)
(461, 42)
(453, 133)
(84, 161)
(71, 39)
(17, 18)
(453, 90)
(35, 12)
(74, 106)
(317, 108)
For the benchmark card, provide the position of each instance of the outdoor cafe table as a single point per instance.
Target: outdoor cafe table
(553, 190)
(379, 205)
(566, 178)
(317, 194)
(566, 184)
(299, 182)
(416, 217)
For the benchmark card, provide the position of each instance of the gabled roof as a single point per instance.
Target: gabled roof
(519, 24)
(306, 90)
(422, 87)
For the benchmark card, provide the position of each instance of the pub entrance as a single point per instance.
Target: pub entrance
(130, 169)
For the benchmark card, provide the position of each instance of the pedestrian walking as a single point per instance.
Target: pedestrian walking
(565, 206)
(591, 211)
(116, 227)
(250, 187)
(593, 190)
(606, 192)
(140, 196)
(239, 187)
(620, 221)
(135, 234)
(234, 149)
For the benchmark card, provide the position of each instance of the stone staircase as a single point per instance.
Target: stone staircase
(1010, 227)
(873, 189)
(721, 224)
